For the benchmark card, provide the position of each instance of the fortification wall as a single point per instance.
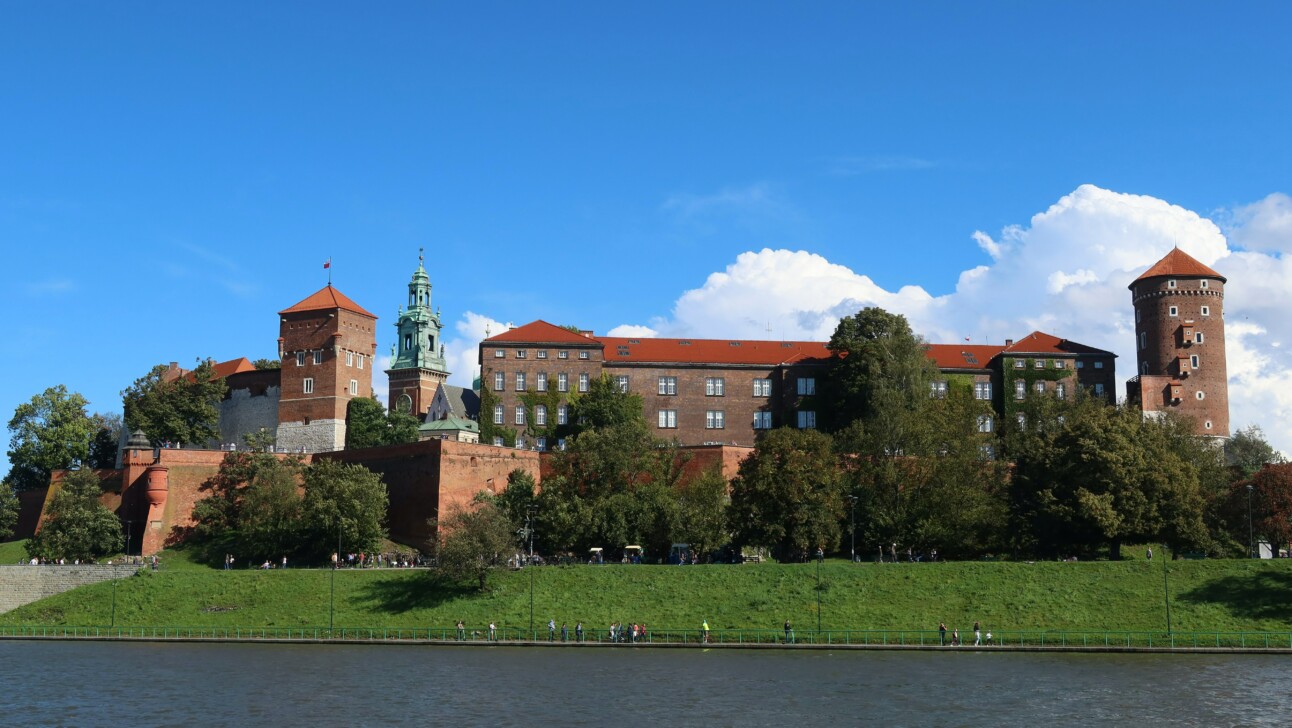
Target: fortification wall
(24, 584)
(246, 412)
(316, 436)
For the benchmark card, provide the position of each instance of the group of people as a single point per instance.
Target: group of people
(978, 637)
(630, 633)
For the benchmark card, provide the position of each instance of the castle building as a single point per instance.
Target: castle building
(1180, 343)
(707, 391)
(417, 368)
(327, 346)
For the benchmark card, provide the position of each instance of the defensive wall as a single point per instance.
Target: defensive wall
(23, 584)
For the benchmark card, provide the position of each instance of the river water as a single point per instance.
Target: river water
(152, 684)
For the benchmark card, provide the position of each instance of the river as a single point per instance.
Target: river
(153, 684)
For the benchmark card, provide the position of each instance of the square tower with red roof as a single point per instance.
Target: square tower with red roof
(327, 344)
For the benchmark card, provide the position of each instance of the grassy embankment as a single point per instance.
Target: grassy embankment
(13, 552)
(1212, 595)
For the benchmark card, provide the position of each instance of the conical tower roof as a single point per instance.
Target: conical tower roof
(1178, 264)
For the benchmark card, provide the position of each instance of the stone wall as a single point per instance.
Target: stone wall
(244, 411)
(312, 436)
(25, 584)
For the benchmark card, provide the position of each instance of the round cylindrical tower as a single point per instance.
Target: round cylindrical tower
(1180, 342)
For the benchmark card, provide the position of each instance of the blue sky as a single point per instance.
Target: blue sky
(173, 174)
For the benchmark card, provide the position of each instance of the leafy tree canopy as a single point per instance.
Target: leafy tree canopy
(50, 432)
(346, 501)
(1268, 503)
(182, 410)
(267, 364)
(369, 424)
(474, 541)
(1248, 451)
(107, 440)
(605, 406)
(77, 526)
(880, 369)
(8, 510)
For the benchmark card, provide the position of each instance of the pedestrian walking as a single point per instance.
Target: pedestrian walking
(1149, 554)
(942, 633)
(578, 631)
(704, 630)
(977, 634)
(551, 630)
(462, 631)
(565, 632)
(955, 637)
(284, 562)
(789, 633)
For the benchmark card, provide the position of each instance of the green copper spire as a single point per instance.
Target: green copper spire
(418, 344)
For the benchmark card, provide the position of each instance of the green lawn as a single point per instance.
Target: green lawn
(1225, 595)
(12, 552)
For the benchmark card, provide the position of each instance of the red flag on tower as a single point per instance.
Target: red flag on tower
(327, 263)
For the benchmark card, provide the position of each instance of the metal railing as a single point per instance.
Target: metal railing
(481, 634)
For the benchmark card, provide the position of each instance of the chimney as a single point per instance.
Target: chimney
(1009, 342)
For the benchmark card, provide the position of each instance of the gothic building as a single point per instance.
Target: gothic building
(417, 367)
(1180, 343)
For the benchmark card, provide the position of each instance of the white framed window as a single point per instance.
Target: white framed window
(521, 353)
(562, 415)
(540, 444)
(715, 387)
(520, 415)
(1193, 361)
(308, 385)
(1022, 421)
(1061, 390)
(349, 358)
(360, 359)
(1170, 284)
(354, 387)
(562, 355)
(621, 383)
(1197, 337)
(762, 387)
(667, 386)
(499, 381)
(1038, 364)
(540, 415)
(499, 353)
(1207, 424)
(807, 386)
(583, 382)
(583, 355)
(300, 358)
(497, 414)
(1060, 364)
(715, 420)
(1039, 387)
(982, 390)
(1020, 389)
(986, 423)
(1173, 311)
(1020, 363)
(1205, 310)
(520, 443)
(1099, 365)
(520, 381)
(1199, 394)
(1099, 389)
(540, 382)
(668, 419)
(497, 441)
(562, 382)
(1203, 284)
(542, 354)
(560, 443)
(807, 420)
(938, 390)
(318, 356)
(762, 420)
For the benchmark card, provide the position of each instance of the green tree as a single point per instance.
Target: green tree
(605, 406)
(369, 424)
(701, 511)
(880, 369)
(1248, 451)
(76, 525)
(8, 510)
(344, 500)
(1269, 493)
(263, 364)
(515, 500)
(471, 542)
(107, 440)
(269, 522)
(184, 409)
(788, 495)
(50, 432)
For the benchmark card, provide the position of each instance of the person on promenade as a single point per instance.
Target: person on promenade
(493, 632)
(942, 633)
(955, 637)
(462, 631)
(551, 630)
(284, 562)
(578, 631)
(704, 631)
(977, 634)
(789, 633)
(565, 632)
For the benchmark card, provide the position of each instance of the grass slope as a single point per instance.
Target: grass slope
(13, 552)
(1208, 595)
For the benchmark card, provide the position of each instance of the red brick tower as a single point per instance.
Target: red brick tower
(1180, 343)
(327, 344)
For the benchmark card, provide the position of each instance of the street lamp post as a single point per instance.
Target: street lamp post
(1251, 539)
(852, 531)
(336, 564)
(820, 556)
(1166, 591)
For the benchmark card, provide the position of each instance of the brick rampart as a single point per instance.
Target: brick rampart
(24, 584)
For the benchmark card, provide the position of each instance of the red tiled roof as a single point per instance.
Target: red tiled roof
(712, 351)
(541, 332)
(327, 298)
(1039, 342)
(968, 356)
(225, 368)
(1180, 264)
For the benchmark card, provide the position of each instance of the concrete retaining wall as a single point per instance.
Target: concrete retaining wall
(24, 584)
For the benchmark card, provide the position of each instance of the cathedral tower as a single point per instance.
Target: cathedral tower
(327, 344)
(1180, 343)
(417, 367)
